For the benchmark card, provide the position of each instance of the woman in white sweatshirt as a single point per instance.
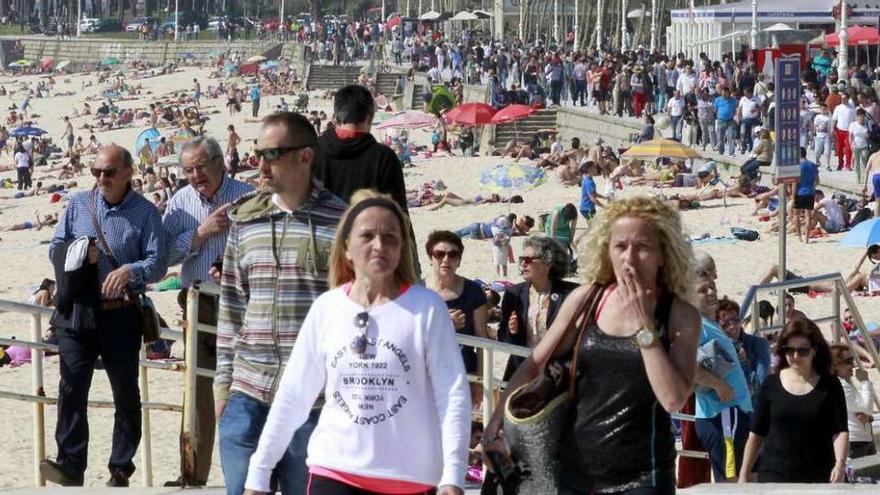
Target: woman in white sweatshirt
(382, 350)
(859, 402)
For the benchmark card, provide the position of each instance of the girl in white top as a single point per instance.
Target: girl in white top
(383, 350)
(859, 402)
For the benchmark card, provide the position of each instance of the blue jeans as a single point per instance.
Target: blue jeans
(725, 129)
(676, 126)
(240, 427)
(746, 133)
(472, 231)
(711, 435)
(660, 99)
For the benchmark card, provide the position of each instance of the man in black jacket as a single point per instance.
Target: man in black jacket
(348, 157)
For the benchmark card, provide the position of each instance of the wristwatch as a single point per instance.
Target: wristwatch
(646, 337)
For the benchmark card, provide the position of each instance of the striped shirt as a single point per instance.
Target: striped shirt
(275, 265)
(133, 229)
(184, 213)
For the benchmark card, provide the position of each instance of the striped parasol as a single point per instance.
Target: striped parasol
(408, 120)
(657, 148)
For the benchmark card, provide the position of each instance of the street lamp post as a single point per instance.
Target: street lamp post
(754, 33)
(653, 25)
(623, 25)
(78, 18)
(556, 20)
(599, 15)
(577, 12)
(842, 49)
(176, 19)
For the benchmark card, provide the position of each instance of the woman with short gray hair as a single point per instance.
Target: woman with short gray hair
(529, 308)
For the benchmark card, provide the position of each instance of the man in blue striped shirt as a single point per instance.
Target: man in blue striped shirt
(133, 231)
(196, 224)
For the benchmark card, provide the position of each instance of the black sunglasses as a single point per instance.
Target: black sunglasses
(359, 343)
(800, 351)
(107, 172)
(272, 154)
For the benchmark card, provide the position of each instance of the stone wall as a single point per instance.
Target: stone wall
(92, 50)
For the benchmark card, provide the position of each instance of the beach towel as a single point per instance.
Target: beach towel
(705, 241)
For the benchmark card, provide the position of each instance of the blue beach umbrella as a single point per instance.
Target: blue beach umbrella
(505, 178)
(863, 235)
(270, 65)
(27, 131)
(152, 134)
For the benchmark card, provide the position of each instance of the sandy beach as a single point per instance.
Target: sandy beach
(24, 260)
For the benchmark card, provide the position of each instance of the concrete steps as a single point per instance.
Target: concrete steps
(386, 83)
(331, 76)
(418, 99)
(525, 128)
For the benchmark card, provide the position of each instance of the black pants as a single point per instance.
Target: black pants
(319, 485)
(24, 178)
(255, 108)
(117, 340)
(205, 421)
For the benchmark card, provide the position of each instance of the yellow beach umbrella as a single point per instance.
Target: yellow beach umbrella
(665, 148)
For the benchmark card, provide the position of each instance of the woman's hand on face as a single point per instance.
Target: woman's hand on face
(641, 301)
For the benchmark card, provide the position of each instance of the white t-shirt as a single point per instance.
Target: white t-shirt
(401, 412)
(858, 135)
(28, 146)
(843, 115)
(874, 279)
(820, 122)
(686, 83)
(675, 106)
(22, 160)
(749, 107)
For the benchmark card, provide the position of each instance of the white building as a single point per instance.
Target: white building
(715, 29)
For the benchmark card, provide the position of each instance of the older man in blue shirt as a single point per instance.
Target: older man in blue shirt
(134, 256)
(196, 225)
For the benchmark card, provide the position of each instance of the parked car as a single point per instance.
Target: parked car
(137, 22)
(87, 24)
(107, 25)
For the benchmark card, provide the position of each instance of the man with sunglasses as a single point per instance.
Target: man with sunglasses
(275, 265)
(753, 351)
(127, 245)
(196, 223)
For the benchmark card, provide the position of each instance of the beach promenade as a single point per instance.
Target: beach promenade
(715, 489)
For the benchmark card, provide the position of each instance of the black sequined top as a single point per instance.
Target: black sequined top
(622, 438)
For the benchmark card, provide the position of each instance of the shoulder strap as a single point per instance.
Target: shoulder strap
(93, 208)
(588, 310)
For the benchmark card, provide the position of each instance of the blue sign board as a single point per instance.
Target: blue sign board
(788, 106)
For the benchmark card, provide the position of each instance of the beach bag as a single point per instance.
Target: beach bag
(744, 234)
(536, 414)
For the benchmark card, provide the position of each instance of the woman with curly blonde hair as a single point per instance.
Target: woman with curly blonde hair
(636, 355)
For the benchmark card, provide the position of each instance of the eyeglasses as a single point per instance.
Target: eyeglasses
(528, 260)
(730, 321)
(200, 168)
(800, 351)
(106, 172)
(440, 255)
(359, 343)
(272, 154)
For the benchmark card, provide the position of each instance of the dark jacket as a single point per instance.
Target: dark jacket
(77, 293)
(516, 298)
(344, 166)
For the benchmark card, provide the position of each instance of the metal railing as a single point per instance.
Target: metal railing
(839, 290)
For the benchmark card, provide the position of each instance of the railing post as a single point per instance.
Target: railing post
(488, 384)
(835, 328)
(756, 315)
(39, 409)
(190, 346)
(147, 444)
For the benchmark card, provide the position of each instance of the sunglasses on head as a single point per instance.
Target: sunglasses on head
(359, 343)
(272, 154)
(800, 351)
(440, 255)
(106, 172)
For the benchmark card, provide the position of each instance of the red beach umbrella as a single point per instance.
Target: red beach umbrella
(472, 114)
(511, 113)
